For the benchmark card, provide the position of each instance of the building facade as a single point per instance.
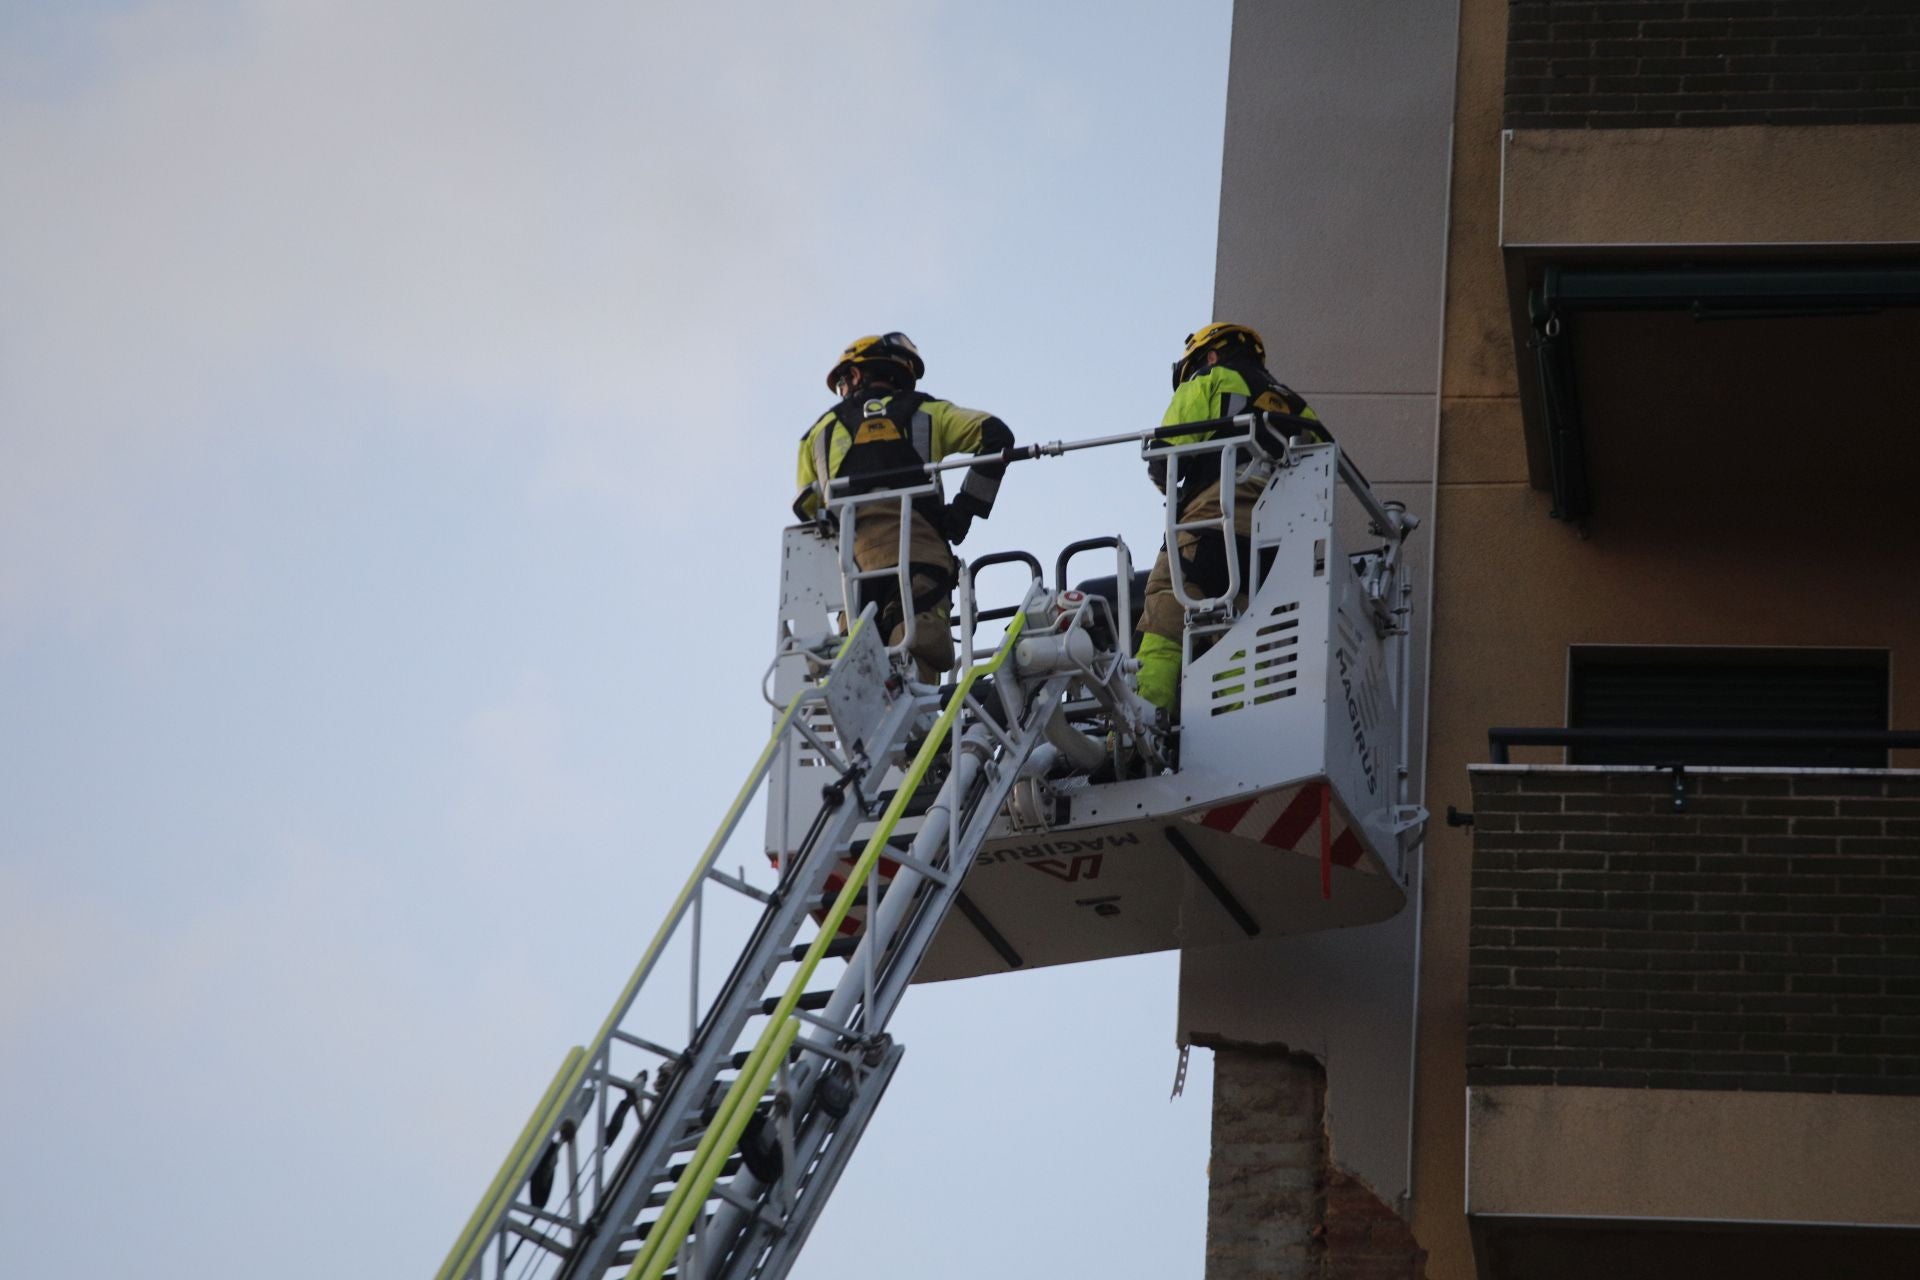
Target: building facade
(1622, 297)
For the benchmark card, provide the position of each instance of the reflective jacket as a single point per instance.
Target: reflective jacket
(1219, 392)
(865, 437)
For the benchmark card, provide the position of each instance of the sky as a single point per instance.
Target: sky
(398, 406)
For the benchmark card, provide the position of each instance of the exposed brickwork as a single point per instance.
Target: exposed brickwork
(1767, 938)
(1263, 1183)
(1612, 64)
(1363, 1238)
(1275, 1209)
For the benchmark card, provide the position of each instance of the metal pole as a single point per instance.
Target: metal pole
(903, 577)
(693, 988)
(1242, 423)
(1387, 522)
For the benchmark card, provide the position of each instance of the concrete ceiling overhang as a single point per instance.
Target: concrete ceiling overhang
(1624, 248)
(1575, 1181)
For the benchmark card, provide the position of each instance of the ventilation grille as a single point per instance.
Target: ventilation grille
(1273, 671)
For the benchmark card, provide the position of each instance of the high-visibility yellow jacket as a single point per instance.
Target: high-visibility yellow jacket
(870, 439)
(1219, 392)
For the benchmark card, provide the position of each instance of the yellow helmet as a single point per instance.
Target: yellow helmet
(893, 348)
(1215, 337)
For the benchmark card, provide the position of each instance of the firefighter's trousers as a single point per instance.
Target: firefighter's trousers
(1203, 564)
(876, 545)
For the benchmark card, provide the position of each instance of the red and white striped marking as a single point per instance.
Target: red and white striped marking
(1283, 820)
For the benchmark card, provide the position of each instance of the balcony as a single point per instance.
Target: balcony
(1694, 1019)
(1695, 306)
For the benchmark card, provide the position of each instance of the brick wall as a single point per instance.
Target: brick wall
(1263, 1181)
(1362, 1239)
(1276, 1209)
(1613, 64)
(1767, 938)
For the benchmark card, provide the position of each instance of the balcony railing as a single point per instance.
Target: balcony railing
(1500, 740)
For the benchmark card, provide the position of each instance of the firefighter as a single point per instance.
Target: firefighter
(881, 427)
(1222, 372)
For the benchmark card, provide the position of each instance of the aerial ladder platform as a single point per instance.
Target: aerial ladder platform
(1034, 811)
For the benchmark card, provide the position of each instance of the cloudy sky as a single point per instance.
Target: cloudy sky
(397, 414)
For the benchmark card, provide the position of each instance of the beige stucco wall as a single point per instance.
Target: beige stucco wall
(1765, 513)
(1760, 184)
(1565, 1152)
(1515, 589)
(1331, 243)
(1482, 458)
(1704, 532)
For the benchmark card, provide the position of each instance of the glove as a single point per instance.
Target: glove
(956, 522)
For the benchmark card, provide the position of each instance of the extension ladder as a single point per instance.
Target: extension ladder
(708, 1151)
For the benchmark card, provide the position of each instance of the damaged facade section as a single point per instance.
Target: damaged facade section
(1277, 1206)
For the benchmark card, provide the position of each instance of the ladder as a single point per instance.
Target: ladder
(708, 1151)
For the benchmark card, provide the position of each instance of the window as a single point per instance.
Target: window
(1774, 690)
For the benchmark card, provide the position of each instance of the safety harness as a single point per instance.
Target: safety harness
(890, 433)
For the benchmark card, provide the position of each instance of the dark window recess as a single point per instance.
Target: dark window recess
(1776, 690)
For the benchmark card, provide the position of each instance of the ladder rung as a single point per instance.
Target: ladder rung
(640, 1042)
(810, 1045)
(739, 1059)
(832, 896)
(809, 1000)
(625, 1257)
(738, 885)
(538, 1238)
(674, 1173)
(921, 800)
(926, 870)
(838, 949)
(687, 1141)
